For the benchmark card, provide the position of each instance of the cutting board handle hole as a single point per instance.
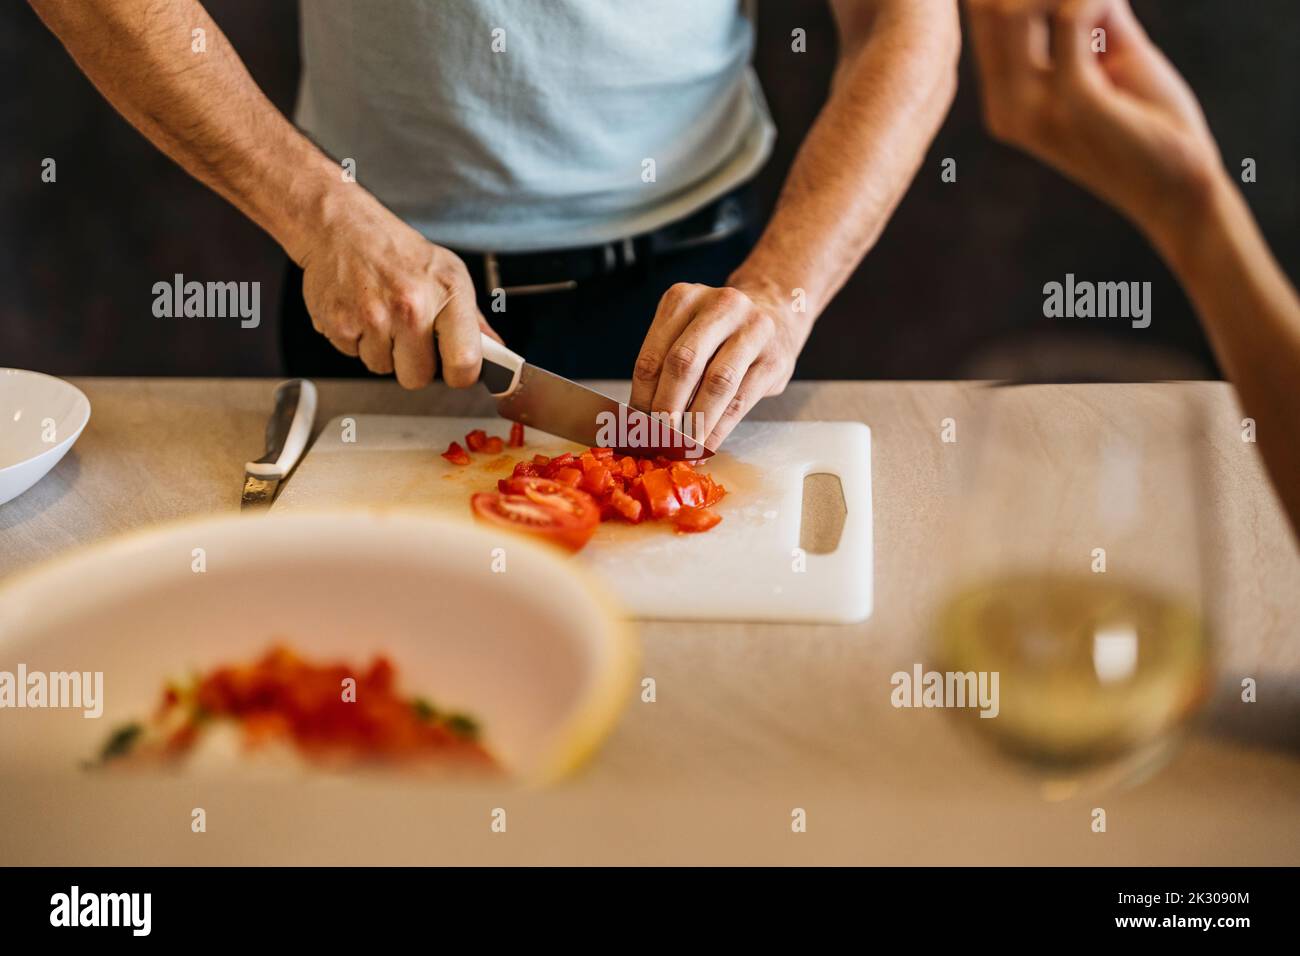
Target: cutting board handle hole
(821, 521)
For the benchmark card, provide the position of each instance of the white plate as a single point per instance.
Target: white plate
(535, 653)
(40, 417)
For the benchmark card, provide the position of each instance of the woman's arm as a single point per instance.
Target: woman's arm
(1080, 85)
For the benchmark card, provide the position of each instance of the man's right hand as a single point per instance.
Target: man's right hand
(375, 288)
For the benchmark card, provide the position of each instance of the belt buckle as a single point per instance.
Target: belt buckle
(492, 272)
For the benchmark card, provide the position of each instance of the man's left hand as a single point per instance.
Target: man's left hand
(716, 352)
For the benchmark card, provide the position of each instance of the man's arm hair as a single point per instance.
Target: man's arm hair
(893, 85)
(202, 109)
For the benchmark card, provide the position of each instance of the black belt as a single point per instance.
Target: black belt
(532, 273)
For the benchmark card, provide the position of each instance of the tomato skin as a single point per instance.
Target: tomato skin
(493, 445)
(476, 439)
(659, 492)
(516, 435)
(695, 520)
(456, 455)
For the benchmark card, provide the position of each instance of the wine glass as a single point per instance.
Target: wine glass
(1077, 576)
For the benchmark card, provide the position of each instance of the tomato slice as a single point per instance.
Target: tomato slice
(553, 494)
(659, 492)
(493, 445)
(476, 439)
(516, 435)
(542, 508)
(456, 455)
(695, 520)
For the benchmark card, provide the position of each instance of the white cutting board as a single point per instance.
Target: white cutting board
(749, 567)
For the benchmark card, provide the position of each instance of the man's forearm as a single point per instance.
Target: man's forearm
(200, 108)
(891, 92)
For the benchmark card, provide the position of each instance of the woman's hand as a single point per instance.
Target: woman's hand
(1079, 84)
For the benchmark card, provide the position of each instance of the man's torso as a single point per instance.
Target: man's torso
(491, 124)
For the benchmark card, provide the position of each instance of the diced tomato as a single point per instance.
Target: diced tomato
(540, 507)
(713, 492)
(493, 445)
(596, 480)
(690, 490)
(568, 476)
(516, 435)
(476, 439)
(695, 520)
(659, 492)
(456, 455)
(610, 487)
(627, 507)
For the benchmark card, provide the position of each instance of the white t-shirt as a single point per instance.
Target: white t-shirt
(511, 125)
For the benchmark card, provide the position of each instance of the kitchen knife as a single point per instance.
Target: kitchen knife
(533, 396)
(287, 432)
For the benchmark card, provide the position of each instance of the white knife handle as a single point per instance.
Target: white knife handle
(506, 363)
(288, 430)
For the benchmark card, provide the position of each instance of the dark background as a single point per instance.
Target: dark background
(953, 289)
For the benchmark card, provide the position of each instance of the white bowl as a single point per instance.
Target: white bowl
(40, 417)
(536, 653)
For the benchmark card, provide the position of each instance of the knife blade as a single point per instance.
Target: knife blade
(287, 432)
(541, 399)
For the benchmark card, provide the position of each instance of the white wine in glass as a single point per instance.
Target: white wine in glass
(1078, 576)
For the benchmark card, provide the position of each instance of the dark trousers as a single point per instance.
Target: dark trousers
(593, 331)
